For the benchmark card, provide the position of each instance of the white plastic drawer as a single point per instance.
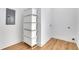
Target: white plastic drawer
(30, 18)
(27, 26)
(34, 11)
(27, 33)
(33, 26)
(30, 26)
(30, 11)
(28, 41)
(34, 18)
(34, 41)
(30, 34)
(33, 34)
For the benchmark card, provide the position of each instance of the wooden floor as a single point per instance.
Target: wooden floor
(52, 44)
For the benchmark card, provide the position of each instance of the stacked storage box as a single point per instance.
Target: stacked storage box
(30, 16)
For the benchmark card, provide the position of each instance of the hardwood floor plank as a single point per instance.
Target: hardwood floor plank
(47, 46)
(52, 44)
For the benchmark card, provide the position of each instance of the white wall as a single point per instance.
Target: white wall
(52, 23)
(44, 26)
(10, 34)
(77, 34)
(61, 19)
(55, 23)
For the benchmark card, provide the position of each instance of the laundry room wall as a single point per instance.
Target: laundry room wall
(60, 23)
(10, 34)
(64, 23)
(77, 34)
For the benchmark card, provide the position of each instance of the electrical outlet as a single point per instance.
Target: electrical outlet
(73, 38)
(69, 27)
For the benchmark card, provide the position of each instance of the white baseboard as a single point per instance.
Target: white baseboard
(78, 45)
(68, 40)
(43, 43)
(9, 44)
(77, 42)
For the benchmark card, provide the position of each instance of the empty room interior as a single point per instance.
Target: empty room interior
(39, 28)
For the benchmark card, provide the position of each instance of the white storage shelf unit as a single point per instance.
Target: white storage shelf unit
(30, 16)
